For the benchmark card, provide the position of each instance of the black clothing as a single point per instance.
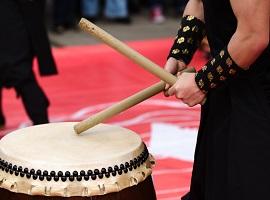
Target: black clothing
(233, 145)
(33, 12)
(15, 45)
(64, 13)
(34, 100)
(2, 117)
(22, 37)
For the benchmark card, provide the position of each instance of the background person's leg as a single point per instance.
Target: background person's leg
(90, 9)
(34, 100)
(117, 10)
(64, 14)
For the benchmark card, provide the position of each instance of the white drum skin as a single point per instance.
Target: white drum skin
(52, 160)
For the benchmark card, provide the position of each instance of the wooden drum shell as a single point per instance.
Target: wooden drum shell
(142, 191)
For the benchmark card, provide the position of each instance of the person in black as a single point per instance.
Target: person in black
(22, 37)
(232, 154)
(64, 15)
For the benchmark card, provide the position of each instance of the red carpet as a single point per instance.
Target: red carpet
(91, 78)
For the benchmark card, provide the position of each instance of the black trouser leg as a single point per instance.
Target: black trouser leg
(2, 117)
(64, 12)
(34, 100)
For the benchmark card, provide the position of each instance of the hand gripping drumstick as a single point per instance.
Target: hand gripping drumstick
(121, 106)
(134, 99)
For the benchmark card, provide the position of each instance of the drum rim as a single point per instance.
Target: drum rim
(93, 174)
(12, 153)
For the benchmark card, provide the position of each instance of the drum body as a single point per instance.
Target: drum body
(142, 191)
(52, 162)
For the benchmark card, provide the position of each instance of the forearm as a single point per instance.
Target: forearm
(240, 53)
(252, 33)
(246, 46)
(194, 8)
(190, 34)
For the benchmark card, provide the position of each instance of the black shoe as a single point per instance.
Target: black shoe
(59, 29)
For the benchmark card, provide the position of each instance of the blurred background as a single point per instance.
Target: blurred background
(127, 19)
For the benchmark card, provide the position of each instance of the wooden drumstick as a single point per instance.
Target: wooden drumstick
(122, 106)
(127, 51)
(119, 107)
(137, 58)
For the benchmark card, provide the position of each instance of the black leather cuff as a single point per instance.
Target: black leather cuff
(217, 71)
(190, 35)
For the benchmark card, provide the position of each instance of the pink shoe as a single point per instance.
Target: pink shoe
(157, 16)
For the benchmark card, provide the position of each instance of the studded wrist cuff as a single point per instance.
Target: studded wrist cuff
(190, 34)
(216, 71)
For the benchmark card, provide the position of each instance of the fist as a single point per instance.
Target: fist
(187, 90)
(174, 67)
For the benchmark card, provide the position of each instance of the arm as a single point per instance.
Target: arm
(182, 52)
(252, 33)
(177, 61)
(246, 45)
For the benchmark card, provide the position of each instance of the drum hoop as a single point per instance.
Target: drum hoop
(75, 175)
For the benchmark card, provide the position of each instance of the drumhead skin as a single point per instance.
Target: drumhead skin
(52, 160)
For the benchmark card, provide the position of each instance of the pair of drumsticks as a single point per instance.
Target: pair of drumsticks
(142, 61)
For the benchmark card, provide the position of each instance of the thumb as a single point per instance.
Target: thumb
(179, 74)
(181, 65)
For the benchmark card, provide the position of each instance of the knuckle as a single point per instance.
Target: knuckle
(177, 87)
(189, 104)
(178, 95)
(170, 93)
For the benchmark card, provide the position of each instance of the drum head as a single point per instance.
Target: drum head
(53, 160)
